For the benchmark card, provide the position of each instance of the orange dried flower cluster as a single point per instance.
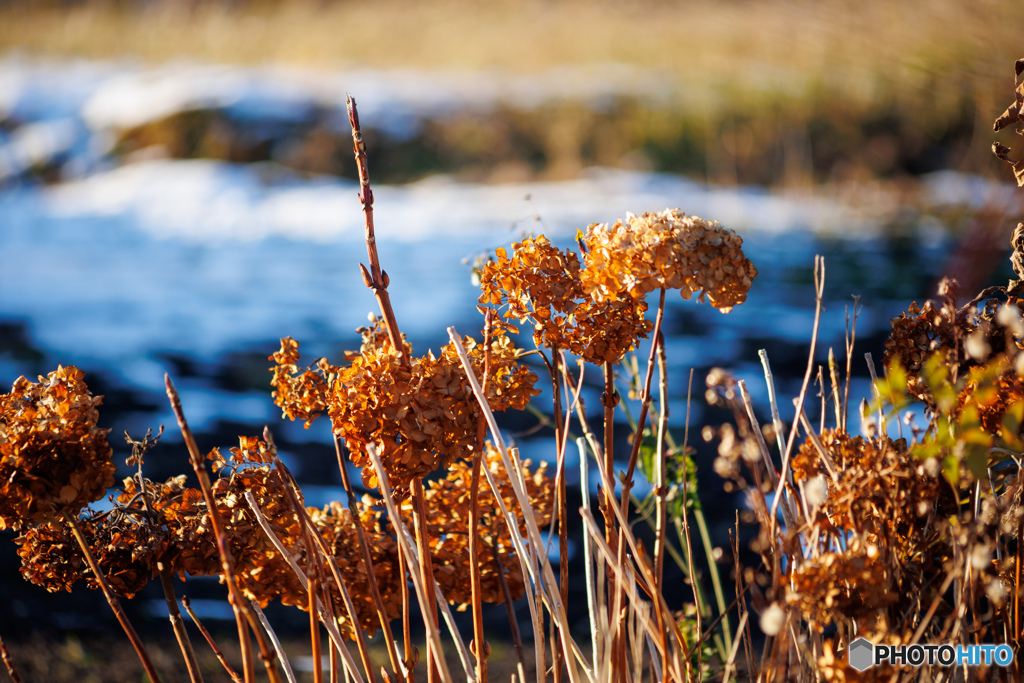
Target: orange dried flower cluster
(448, 507)
(53, 457)
(337, 525)
(542, 284)
(420, 415)
(126, 542)
(962, 338)
(262, 574)
(50, 556)
(883, 488)
(893, 504)
(922, 331)
(856, 584)
(596, 309)
(667, 250)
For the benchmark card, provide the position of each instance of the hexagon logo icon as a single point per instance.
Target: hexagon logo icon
(861, 654)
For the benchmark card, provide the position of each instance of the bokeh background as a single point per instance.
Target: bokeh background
(177, 192)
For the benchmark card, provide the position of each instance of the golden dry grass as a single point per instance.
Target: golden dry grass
(861, 49)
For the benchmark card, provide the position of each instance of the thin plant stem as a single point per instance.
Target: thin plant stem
(407, 547)
(374, 278)
(645, 402)
(429, 608)
(627, 480)
(314, 628)
(210, 641)
(288, 673)
(513, 623)
(562, 503)
(476, 589)
(309, 534)
(12, 671)
(243, 615)
(661, 489)
(819, 288)
(178, 624)
(371, 578)
(112, 600)
(166, 581)
(544, 576)
(332, 628)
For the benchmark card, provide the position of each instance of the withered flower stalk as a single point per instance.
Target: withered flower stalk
(243, 614)
(187, 604)
(377, 280)
(139, 449)
(12, 671)
(112, 600)
(364, 549)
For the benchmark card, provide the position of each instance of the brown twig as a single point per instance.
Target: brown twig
(375, 278)
(479, 650)
(178, 624)
(371, 577)
(9, 663)
(210, 641)
(243, 615)
(112, 600)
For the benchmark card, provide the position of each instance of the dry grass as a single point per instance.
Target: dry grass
(866, 50)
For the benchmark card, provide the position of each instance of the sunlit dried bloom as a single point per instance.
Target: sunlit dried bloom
(53, 457)
(538, 283)
(837, 586)
(338, 527)
(448, 505)
(125, 547)
(959, 338)
(542, 285)
(262, 574)
(666, 250)
(419, 415)
(50, 556)
(300, 395)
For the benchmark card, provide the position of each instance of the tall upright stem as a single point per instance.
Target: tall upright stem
(375, 278)
(476, 587)
(112, 600)
(243, 614)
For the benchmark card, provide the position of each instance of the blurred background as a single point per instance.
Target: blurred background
(177, 188)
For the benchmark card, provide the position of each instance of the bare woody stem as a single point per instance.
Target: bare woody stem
(112, 600)
(364, 549)
(167, 584)
(9, 663)
(210, 641)
(377, 280)
(178, 624)
(374, 278)
(476, 588)
(243, 614)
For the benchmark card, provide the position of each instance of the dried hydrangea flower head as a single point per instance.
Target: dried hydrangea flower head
(595, 308)
(448, 506)
(542, 284)
(127, 541)
(667, 250)
(420, 415)
(539, 283)
(53, 457)
(337, 525)
(262, 574)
